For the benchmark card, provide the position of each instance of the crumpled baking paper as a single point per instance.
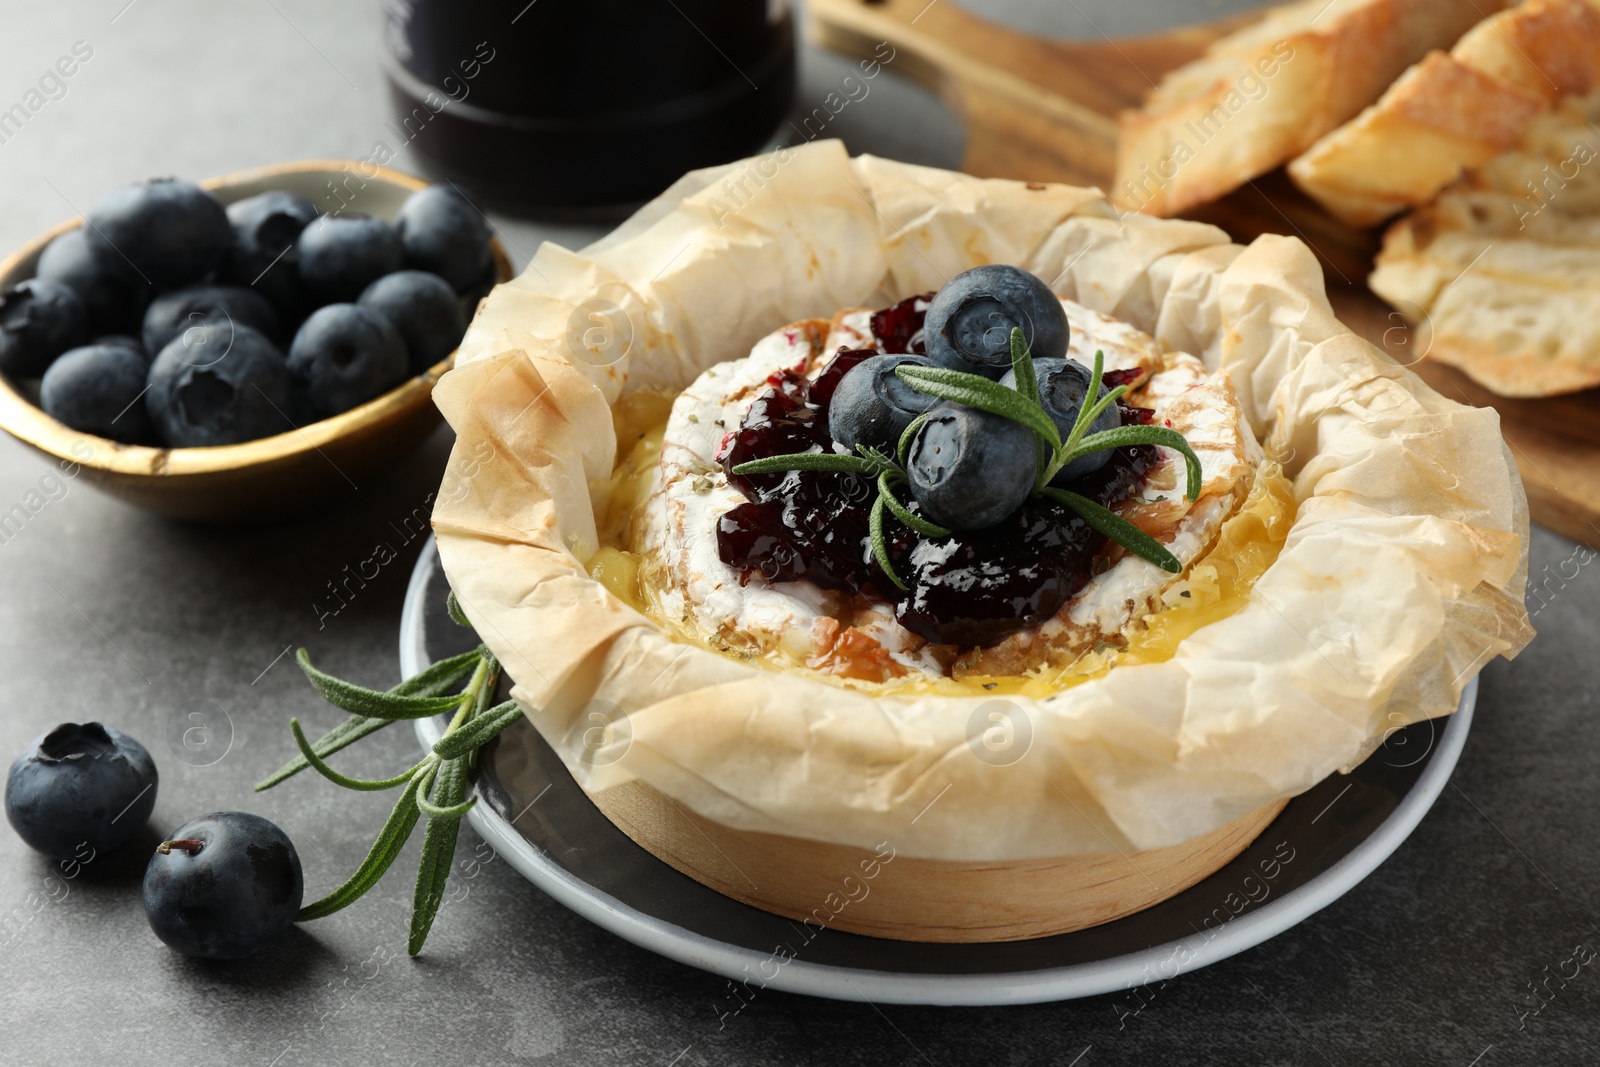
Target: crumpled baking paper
(1402, 576)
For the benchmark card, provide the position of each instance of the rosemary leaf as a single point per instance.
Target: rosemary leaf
(429, 778)
(370, 785)
(1118, 529)
(452, 811)
(978, 392)
(391, 839)
(439, 678)
(1110, 397)
(1022, 366)
(916, 522)
(438, 849)
(453, 606)
(807, 461)
(1145, 435)
(491, 675)
(1028, 388)
(880, 462)
(478, 731)
(360, 700)
(904, 445)
(347, 732)
(880, 546)
(433, 680)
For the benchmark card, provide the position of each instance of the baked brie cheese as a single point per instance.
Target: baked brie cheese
(672, 502)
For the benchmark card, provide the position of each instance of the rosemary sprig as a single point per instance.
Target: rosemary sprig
(1021, 405)
(437, 786)
(880, 546)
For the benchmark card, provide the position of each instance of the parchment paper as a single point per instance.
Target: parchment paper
(1402, 577)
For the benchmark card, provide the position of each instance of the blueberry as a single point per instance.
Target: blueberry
(872, 406)
(81, 783)
(164, 232)
(345, 355)
(969, 323)
(122, 340)
(969, 468)
(172, 313)
(1063, 383)
(114, 304)
(99, 389)
(218, 383)
(222, 886)
(340, 255)
(444, 234)
(39, 320)
(264, 254)
(424, 309)
(480, 288)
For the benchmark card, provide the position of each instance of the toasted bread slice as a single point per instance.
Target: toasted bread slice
(1501, 273)
(1550, 48)
(1261, 96)
(1453, 112)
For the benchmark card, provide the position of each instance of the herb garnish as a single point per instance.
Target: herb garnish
(436, 786)
(1020, 405)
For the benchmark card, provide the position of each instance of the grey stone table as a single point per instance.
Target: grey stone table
(161, 628)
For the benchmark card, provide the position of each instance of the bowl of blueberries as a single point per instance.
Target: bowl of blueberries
(248, 346)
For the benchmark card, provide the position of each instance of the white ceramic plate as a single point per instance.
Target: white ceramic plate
(1323, 843)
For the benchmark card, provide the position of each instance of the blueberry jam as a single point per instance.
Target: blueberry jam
(797, 524)
(976, 588)
(899, 328)
(970, 589)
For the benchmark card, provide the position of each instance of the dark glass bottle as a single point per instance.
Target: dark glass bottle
(583, 108)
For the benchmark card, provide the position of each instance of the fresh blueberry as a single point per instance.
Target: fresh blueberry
(872, 406)
(132, 344)
(39, 320)
(480, 288)
(114, 304)
(163, 232)
(81, 783)
(445, 235)
(340, 255)
(970, 468)
(264, 255)
(218, 383)
(172, 313)
(222, 886)
(969, 323)
(345, 355)
(1063, 383)
(424, 309)
(99, 389)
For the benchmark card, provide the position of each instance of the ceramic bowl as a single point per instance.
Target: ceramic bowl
(288, 473)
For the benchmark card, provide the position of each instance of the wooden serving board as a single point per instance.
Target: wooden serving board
(1045, 110)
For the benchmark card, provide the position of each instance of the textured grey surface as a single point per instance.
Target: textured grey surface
(108, 612)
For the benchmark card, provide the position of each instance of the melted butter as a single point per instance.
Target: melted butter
(618, 570)
(1217, 585)
(640, 420)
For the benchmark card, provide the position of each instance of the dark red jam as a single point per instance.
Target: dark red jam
(977, 587)
(898, 329)
(970, 589)
(797, 524)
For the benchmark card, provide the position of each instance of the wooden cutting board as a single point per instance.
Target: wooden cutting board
(1045, 110)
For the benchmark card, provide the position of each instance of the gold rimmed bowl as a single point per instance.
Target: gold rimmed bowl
(289, 472)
